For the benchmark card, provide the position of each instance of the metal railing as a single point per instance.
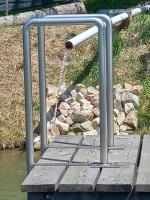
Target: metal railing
(28, 81)
(104, 29)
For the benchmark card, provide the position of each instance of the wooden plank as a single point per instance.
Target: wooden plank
(143, 177)
(47, 178)
(82, 178)
(120, 179)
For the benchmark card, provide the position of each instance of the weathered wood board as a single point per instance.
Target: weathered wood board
(47, 178)
(82, 178)
(143, 176)
(120, 179)
(85, 179)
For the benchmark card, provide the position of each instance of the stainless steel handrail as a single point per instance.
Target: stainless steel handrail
(28, 80)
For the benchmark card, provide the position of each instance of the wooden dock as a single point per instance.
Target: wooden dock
(128, 178)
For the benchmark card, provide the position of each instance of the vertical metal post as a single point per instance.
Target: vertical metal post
(42, 87)
(28, 80)
(109, 66)
(102, 95)
(109, 72)
(28, 98)
(105, 83)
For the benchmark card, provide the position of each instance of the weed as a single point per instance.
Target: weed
(70, 35)
(117, 44)
(94, 5)
(36, 105)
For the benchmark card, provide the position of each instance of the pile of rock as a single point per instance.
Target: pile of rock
(77, 110)
(126, 101)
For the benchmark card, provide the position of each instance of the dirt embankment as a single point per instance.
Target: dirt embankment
(12, 128)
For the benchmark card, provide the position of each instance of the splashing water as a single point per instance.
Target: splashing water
(62, 65)
(92, 150)
(62, 69)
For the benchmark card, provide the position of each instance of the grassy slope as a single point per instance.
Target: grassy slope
(128, 46)
(12, 130)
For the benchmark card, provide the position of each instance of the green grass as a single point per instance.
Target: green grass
(136, 36)
(88, 73)
(94, 5)
(142, 28)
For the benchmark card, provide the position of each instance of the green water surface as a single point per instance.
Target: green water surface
(12, 173)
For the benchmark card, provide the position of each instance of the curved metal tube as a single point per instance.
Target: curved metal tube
(42, 88)
(28, 80)
(109, 63)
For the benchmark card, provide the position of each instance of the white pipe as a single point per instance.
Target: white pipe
(81, 37)
(94, 30)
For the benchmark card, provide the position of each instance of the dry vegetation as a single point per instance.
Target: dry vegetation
(12, 129)
(82, 64)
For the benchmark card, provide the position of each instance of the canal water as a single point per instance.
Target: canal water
(12, 173)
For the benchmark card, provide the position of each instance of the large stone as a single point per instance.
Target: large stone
(51, 101)
(121, 118)
(123, 128)
(78, 87)
(117, 96)
(117, 104)
(96, 123)
(64, 106)
(50, 138)
(75, 106)
(89, 114)
(130, 98)
(73, 94)
(64, 112)
(96, 112)
(50, 113)
(129, 128)
(52, 91)
(54, 132)
(68, 120)
(79, 96)
(63, 96)
(92, 90)
(90, 97)
(76, 128)
(128, 107)
(95, 101)
(127, 87)
(81, 116)
(69, 100)
(117, 87)
(61, 118)
(83, 91)
(62, 88)
(85, 104)
(123, 133)
(87, 126)
(93, 132)
(116, 128)
(48, 126)
(131, 119)
(63, 127)
(36, 142)
(116, 112)
(137, 89)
